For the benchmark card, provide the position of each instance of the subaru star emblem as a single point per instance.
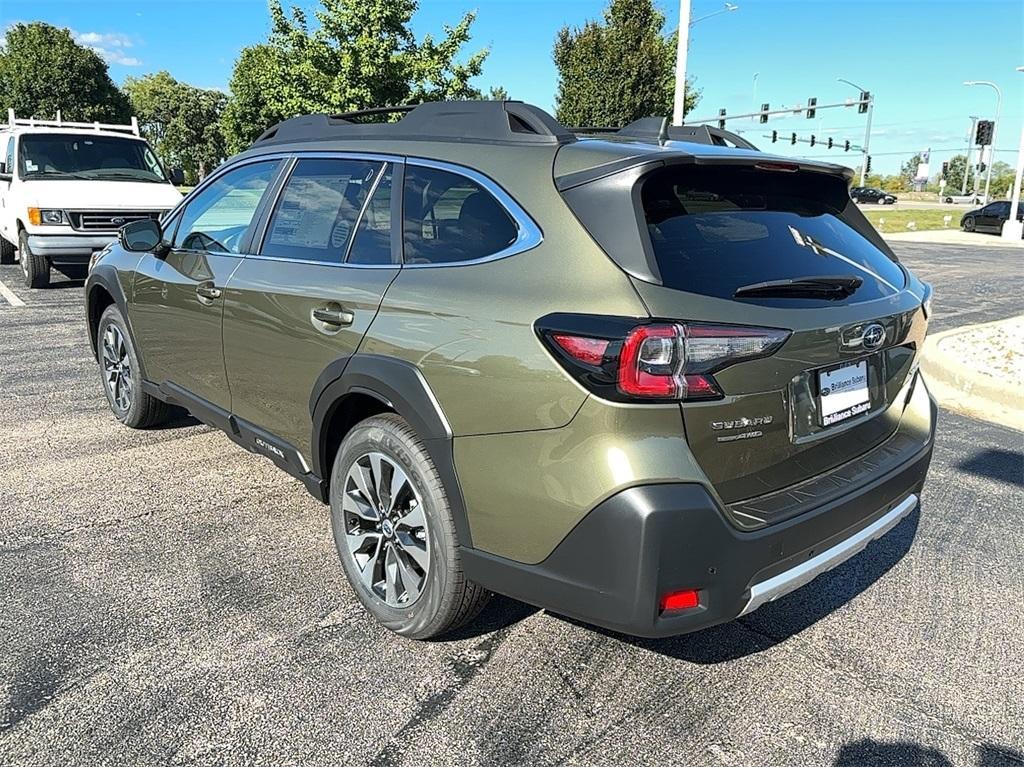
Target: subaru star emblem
(873, 336)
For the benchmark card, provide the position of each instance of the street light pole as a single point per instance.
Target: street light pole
(681, 45)
(867, 130)
(995, 127)
(1013, 229)
(753, 98)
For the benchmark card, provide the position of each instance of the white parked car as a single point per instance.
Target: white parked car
(66, 188)
(971, 198)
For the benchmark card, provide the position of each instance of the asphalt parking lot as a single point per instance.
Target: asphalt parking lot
(166, 598)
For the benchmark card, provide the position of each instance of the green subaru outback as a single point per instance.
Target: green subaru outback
(649, 379)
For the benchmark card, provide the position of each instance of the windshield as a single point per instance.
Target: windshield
(88, 157)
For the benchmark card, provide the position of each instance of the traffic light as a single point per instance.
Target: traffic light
(982, 167)
(811, 103)
(775, 136)
(867, 166)
(812, 139)
(983, 135)
(764, 113)
(792, 139)
(862, 107)
(721, 119)
(829, 142)
(846, 147)
(945, 170)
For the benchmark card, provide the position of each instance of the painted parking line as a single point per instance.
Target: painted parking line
(7, 293)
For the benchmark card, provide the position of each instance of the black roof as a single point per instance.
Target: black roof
(505, 122)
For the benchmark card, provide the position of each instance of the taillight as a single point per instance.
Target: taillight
(624, 359)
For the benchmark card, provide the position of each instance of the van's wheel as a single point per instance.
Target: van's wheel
(395, 534)
(7, 251)
(122, 378)
(969, 224)
(34, 266)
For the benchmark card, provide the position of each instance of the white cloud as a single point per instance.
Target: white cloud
(111, 46)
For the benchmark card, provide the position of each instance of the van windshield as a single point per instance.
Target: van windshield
(91, 157)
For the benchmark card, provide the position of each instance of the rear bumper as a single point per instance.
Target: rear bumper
(69, 248)
(644, 542)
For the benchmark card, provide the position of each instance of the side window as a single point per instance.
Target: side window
(9, 157)
(372, 243)
(317, 213)
(217, 219)
(448, 218)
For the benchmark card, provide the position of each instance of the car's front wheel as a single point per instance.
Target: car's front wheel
(122, 381)
(34, 266)
(968, 224)
(394, 532)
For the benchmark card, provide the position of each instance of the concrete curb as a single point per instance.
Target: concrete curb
(958, 386)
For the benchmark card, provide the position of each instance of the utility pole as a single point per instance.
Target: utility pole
(970, 146)
(681, 45)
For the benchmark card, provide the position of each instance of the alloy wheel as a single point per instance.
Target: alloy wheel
(386, 529)
(117, 369)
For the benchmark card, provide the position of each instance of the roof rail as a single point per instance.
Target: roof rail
(504, 122)
(30, 122)
(656, 129)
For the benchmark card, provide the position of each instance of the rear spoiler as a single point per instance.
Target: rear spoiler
(706, 155)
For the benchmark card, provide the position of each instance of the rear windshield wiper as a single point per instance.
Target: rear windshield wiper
(839, 286)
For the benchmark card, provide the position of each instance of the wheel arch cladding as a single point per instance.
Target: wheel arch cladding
(358, 386)
(103, 290)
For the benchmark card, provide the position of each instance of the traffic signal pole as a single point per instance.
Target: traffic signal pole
(970, 147)
(867, 139)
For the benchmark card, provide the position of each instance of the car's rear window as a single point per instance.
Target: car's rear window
(716, 229)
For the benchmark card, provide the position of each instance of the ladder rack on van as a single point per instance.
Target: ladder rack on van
(31, 122)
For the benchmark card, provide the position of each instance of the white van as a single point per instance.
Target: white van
(66, 188)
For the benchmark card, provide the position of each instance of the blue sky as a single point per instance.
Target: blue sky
(913, 55)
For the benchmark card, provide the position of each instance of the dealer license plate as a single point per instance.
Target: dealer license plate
(843, 392)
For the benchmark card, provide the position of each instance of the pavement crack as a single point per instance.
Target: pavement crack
(94, 524)
(465, 666)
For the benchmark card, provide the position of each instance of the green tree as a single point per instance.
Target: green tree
(497, 93)
(909, 169)
(955, 174)
(181, 121)
(42, 69)
(360, 54)
(614, 72)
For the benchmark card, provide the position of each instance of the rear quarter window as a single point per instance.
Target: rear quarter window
(714, 229)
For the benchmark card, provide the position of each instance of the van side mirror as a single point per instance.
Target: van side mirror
(141, 236)
(177, 176)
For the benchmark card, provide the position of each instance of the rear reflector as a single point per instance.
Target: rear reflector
(686, 599)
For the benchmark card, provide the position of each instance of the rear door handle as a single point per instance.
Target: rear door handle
(207, 292)
(338, 317)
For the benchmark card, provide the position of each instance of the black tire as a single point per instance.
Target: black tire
(142, 410)
(445, 599)
(7, 251)
(949, 200)
(34, 267)
(968, 224)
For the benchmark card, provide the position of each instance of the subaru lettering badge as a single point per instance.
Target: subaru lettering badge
(873, 336)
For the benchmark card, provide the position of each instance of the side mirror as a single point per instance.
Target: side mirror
(141, 236)
(177, 176)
